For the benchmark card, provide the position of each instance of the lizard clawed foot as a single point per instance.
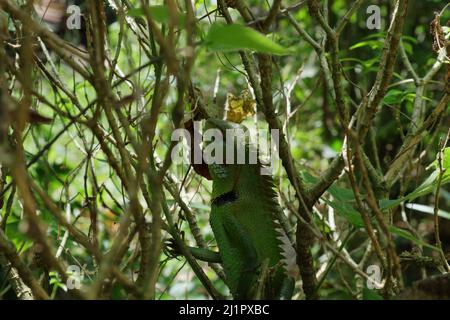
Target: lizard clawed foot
(171, 249)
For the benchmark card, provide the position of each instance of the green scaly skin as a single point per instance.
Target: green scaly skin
(244, 222)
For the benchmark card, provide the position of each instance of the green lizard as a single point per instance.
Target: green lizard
(257, 256)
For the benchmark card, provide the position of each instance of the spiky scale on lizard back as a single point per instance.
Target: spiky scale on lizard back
(244, 219)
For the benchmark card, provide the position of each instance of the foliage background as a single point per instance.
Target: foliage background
(95, 188)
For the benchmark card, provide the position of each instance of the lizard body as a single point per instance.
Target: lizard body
(245, 224)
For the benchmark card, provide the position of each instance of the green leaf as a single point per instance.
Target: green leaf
(426, 187)
(386, 204)
(160, 13)
(369, 294)
(321, 224)
(309, 178)
(379, 35)
(406, 235)
(236, 37)
(394, 97)
(409, 38)
(347, 212)
(373, 44)
(342, 201)
(446, 160)
(408, 48)
(352, 60)
(341, 194)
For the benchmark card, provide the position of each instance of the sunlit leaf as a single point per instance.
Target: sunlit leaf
(236, 37)
(393, 97)
(373, 44)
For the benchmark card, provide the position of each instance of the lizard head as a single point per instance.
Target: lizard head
(229, 142)
(225, 147)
